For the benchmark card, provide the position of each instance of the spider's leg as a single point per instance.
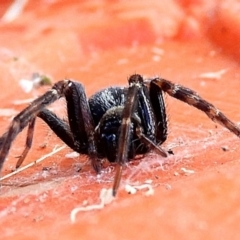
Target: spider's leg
(135, 83)
(2, 139)
(23, 118)
(192, 98)
(81, 122)
(147, 141)
(28, 144)
(158, 105)
(59, 127)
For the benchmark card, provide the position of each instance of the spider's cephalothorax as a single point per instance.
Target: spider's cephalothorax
(116, 123)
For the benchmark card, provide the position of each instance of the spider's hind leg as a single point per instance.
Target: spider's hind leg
(192, 98)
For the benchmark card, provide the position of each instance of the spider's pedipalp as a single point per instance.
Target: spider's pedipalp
(147, 141)
(192, 98)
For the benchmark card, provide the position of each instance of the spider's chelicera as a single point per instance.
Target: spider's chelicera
(116, 123)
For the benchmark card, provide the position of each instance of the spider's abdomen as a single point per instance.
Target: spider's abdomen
(104, 100)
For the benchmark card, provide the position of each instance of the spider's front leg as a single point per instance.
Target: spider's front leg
(124, 137)
(139, 111)
(26, 117)
(192, 98)
(80, 134)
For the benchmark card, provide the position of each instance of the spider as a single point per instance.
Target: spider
(116, 123)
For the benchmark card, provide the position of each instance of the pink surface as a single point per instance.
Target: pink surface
(101, 44)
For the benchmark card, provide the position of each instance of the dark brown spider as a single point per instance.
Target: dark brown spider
(116, 123)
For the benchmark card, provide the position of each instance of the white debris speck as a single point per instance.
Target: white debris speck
(106, 197)
(26, 85)
(35, 81)
(16, 8)
(130, 189)
(213, 75)
(133, 189)
(72, 155)
(187, 171)
(149, 181)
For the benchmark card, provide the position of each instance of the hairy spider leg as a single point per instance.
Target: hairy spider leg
(79, 135)
(158, 105)
(124, 137)
(192, 98)
(136, 96)
(28, 143)
(80, 121)
(26, 116)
